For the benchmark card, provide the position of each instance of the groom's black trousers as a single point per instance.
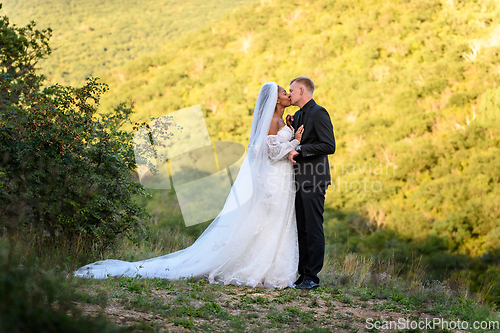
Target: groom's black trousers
(309, 207)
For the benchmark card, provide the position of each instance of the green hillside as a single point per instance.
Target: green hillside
(405, 87)
(93, 36)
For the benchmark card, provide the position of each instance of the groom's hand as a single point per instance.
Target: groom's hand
(292, 154)
(289, 120)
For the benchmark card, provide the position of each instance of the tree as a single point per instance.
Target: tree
(66, 170)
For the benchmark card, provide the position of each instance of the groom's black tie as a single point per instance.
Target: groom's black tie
(300, 121)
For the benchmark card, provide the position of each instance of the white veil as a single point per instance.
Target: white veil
(262, 116)
(230, 231)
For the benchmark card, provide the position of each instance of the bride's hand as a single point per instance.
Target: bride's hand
(298, 134)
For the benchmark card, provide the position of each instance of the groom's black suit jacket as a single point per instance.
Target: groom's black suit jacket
(318, 141)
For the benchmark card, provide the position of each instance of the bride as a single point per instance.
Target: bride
(254, 245)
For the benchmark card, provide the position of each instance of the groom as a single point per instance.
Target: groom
(312, 177)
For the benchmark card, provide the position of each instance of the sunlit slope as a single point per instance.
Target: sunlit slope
(412, 89)
(92, 36)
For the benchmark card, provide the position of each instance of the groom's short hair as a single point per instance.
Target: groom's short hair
(307, 82)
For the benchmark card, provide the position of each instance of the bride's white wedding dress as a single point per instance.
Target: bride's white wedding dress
(256, 243)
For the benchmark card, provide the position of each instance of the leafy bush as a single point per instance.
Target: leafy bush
(35, 300)
(65, 170)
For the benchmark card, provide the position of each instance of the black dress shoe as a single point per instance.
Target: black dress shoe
(299, 280)
(307, 285)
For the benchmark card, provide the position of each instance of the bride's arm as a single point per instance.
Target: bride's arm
(277, 150)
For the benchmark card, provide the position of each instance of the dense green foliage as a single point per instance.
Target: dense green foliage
(65, 169)
(413, 91)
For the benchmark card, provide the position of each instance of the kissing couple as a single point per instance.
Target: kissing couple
(274, 238)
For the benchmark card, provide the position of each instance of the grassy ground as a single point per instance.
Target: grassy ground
(354, 293)
(157, 305)
(357, 294)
